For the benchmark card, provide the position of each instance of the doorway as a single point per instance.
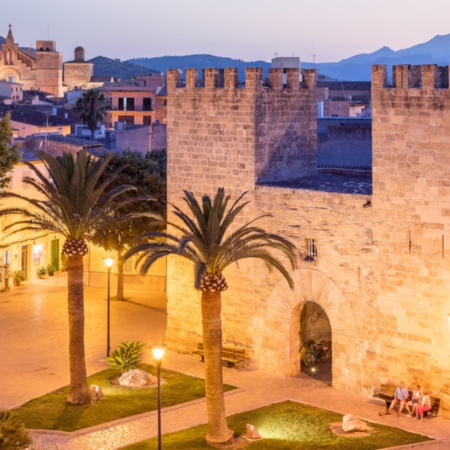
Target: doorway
(315, 329)
(24, 261)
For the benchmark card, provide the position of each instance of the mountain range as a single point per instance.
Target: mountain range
(355, 68)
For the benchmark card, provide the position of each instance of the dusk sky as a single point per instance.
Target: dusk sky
(242, 29)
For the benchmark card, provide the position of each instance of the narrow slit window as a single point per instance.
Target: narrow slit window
(311, 249)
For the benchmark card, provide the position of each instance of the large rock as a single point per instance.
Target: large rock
(352, 423)
(135, 378)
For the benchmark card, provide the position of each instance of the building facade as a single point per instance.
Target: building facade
(376, 284)
(37, 69)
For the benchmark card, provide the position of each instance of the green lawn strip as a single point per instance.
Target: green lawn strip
(287, 426)
(52, 412)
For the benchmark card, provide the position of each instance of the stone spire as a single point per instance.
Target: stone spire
(9, 37)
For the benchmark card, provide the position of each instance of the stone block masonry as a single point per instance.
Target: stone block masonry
(382, 271)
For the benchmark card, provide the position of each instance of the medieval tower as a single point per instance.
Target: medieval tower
(376, 285)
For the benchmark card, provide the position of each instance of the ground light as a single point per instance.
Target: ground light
(158, 355)
(252, 432)
(108, 263)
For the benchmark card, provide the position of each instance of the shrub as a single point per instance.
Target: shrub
(126, 356)
(13, 435)
(41, 271)
(51, 269)
(18, 275)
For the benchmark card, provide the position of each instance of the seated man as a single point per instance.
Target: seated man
(401, 396)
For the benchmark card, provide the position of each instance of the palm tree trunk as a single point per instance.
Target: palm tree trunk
(218, 431)
(120, 263)
(78, 390)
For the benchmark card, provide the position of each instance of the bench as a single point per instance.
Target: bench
(386, 393)
(231, 355)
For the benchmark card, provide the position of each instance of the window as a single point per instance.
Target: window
(147, 104)
(147, 120)
(7, 257)
(127, 119)
(126, 103)
(128, 266)
(311, 249)
(26, 174)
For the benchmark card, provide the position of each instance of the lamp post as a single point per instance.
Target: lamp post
(158, 354)
(108, 263)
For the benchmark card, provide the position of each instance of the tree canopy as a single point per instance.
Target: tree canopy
(148, 175)
(92, 108)
(9, 154)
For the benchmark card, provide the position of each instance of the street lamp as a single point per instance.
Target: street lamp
(108, 263)
(158, 355)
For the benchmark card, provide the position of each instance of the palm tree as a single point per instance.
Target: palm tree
(73, 203)
(92, 108)
(205, 239)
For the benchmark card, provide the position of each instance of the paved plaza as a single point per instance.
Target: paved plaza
(33, 353)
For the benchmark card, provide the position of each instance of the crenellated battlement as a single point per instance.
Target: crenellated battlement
(406, 76)
(213, 78)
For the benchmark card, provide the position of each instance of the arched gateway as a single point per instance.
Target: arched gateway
(277, 334)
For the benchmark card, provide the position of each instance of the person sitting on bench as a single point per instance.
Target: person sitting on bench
(401, 396)
(425, 405)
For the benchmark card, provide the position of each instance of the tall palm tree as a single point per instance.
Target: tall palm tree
(91, 108)
(72, 203)
(204, 238)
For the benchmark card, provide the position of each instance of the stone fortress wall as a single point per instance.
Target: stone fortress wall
(382, 272)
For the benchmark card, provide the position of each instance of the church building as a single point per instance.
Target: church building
(37, 69)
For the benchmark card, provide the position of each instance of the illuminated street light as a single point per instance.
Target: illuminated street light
(158, 355)
(108, 263)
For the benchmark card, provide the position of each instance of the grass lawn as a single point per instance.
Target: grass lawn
(288, 426)
(52, 412)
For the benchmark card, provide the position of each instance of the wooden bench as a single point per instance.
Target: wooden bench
(230, 355)
(386, 393)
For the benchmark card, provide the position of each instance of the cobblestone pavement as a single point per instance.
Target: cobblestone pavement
(33, 374)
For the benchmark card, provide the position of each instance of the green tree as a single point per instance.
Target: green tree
(92, 108)
(204, 237)
(71, 202)
(149, 176)
(9, 154)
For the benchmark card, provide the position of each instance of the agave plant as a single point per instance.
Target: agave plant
(13, 435)
(126, 356)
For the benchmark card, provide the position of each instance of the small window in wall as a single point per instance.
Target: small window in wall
(7, 257)
(147, 120)
(147, 104)
(311, 249)
(128, 266)
(26, 174)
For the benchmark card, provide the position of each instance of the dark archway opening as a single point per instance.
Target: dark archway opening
(315, 360)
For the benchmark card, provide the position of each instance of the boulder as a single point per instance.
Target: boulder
(135, 378)
(352, 423)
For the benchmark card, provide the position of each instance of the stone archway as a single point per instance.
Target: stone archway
(10, 73)
(315, 326)
(277, 332)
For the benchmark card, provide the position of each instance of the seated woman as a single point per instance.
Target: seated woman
(425, 405)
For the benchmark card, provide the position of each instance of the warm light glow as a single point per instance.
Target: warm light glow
(252, 432)
(313, 369)
(158, 352)
(108, 262)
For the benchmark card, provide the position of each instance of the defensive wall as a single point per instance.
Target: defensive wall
(381, 274)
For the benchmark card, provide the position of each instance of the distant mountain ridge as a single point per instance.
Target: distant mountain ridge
(354, 68)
